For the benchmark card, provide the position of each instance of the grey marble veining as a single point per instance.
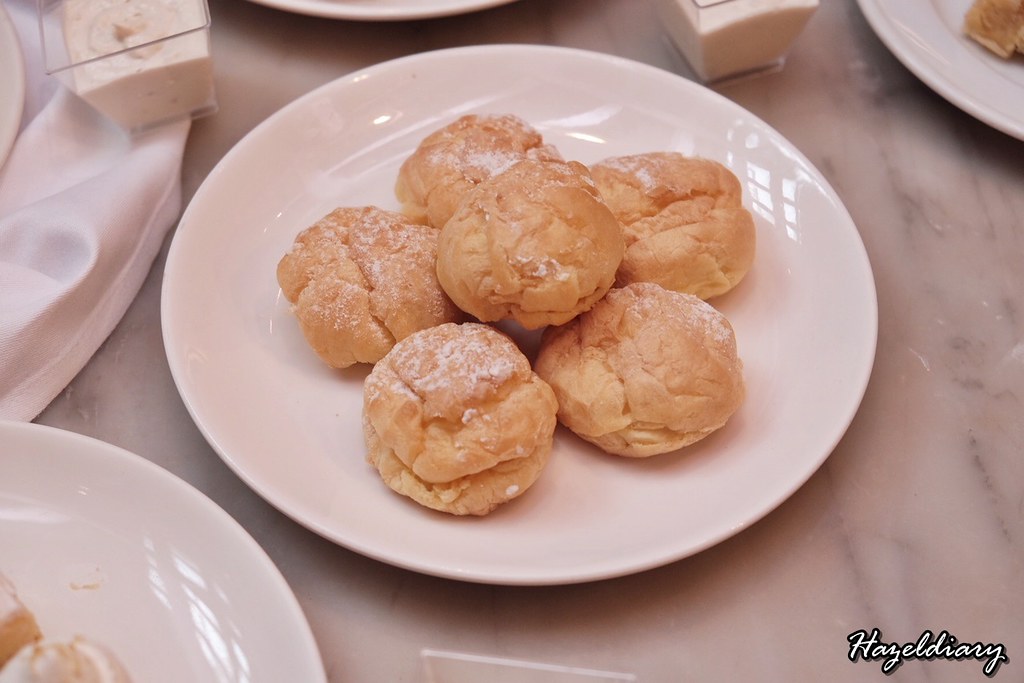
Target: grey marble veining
(916, 521)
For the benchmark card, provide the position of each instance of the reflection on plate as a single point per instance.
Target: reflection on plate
(12, 84)
(382, 10)
(927, 37)
(289, 427)
(101, 542)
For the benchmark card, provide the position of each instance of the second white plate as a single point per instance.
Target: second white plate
(290, 427)
(102, 543)
(927, 37)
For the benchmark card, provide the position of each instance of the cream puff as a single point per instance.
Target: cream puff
(683, 220)
(645, 371)
(535, 244)
(361, 279)
(453, 159)
(455, 419)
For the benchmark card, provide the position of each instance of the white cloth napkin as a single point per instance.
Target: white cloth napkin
(84, 209)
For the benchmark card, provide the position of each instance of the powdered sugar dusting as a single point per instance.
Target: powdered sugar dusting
(712, 323)
(681, 310)
(639, 166)
(481, 146)
(397, 258)
(362, 277)
(492, 162)
(378, 237)
(331, 301)
(456, 357)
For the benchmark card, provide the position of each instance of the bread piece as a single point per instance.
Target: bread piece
(534, 244)
(18, 626)
(997, 24)
(359, 280)
(79, 660)
(455, 418)
(452, 160)
(683, 219)
(645, 371)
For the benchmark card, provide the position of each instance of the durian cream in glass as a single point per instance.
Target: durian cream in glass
(142, 63)
(723, 39)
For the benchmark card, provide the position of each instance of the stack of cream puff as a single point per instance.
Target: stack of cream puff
(613, 263)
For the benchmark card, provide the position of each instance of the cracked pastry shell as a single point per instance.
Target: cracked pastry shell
(645, 371)
(360, 279)
(455, 419)
(683, 220)
(455, 158)
(534, 244)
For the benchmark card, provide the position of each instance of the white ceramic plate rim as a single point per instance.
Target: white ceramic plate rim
(926, 36)
(382, 10)
(12, 72)
(228, 347)
(179, 541)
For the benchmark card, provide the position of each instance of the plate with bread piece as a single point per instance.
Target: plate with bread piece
(519, 315)
(382, 10)
(971, 52)
(113, 569)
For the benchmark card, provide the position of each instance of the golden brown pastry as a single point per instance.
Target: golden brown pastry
(359, 280)
(455, 418)
(683, 219)
(534, 244)
(647, 370)
(18, 626)
(452, 160)
(78, 660)
(997, 24)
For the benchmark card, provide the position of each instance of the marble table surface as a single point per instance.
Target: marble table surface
(914, 524)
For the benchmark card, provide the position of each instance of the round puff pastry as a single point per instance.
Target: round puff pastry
(535, 244)
(361, 279)
(683, 219)
(452, 160)
(645, 371)
(455, 418)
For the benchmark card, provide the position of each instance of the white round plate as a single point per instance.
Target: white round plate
(927, 37)
(12, 84)
(100, 542)
(382, 10)
(290, 427)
